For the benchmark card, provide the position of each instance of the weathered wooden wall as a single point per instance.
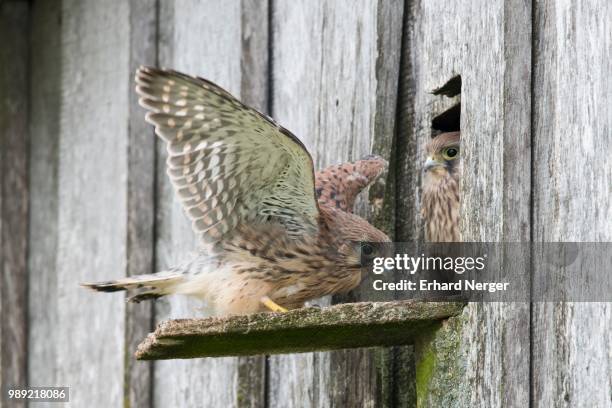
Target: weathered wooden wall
(572, 193)
(45, 71)
(14, 106)
(349, 78)
(141, 185)
(80, 128)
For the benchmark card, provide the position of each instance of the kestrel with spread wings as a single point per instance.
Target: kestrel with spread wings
(274, 234)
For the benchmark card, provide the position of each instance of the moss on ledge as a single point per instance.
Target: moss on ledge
(440, 366)
(348, 325)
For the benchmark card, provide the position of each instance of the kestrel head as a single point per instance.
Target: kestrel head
(443, 157)
(349, 232)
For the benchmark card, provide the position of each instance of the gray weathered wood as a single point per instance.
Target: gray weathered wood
(14, 104)
(335, 91)
(255, 87)
(252, 378)
(489, 46)
(44, 128)
(50, 106)
(572, 347)
(407, 222)
(138, 379)
(363, 324)
(88, 125)
(92, 191)
(254, 58)
(204, 38)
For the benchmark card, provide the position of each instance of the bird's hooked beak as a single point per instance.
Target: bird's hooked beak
(430, 163)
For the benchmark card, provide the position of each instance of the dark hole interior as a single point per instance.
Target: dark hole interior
(449, 120)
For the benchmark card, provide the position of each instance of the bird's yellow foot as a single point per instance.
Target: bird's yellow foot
(270, 304)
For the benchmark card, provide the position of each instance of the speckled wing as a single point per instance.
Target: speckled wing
(338, 185)
(229, 164)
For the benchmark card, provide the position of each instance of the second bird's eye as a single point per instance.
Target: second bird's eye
(451, 153)
(366, 249)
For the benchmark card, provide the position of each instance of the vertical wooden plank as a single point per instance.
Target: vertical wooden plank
(14, 105)
(336, 91)
(92, 192)
(572, 349)
(407, 225)
(47, 100)
(254, 91)
(44, 127)
(496, 145)
(251, 388)
(221, 41)
(138, 380)
(90, 212)
(490, 47)
(408, 221)
(254, 58)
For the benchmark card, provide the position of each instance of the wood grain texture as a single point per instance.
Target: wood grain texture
(85, 133)
(408, 225)
(138, 381)
(92, 192)
(254, 91)
(489, 46)
(252, 379)
(407, 222)
(204, 38)
(572, 343)
(14, 105)
(335, 91)
(44, 128)
(254, 58)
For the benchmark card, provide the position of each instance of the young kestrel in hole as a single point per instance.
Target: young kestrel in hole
(273, 233)
(440, 202)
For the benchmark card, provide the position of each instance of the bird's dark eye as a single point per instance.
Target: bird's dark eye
(451, 153)
(367, 254)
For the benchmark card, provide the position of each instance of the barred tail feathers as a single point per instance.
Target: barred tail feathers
(158, 285)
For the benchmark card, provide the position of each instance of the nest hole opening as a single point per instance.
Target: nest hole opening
(450, 119)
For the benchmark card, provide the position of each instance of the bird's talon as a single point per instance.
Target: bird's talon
(270, 304)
